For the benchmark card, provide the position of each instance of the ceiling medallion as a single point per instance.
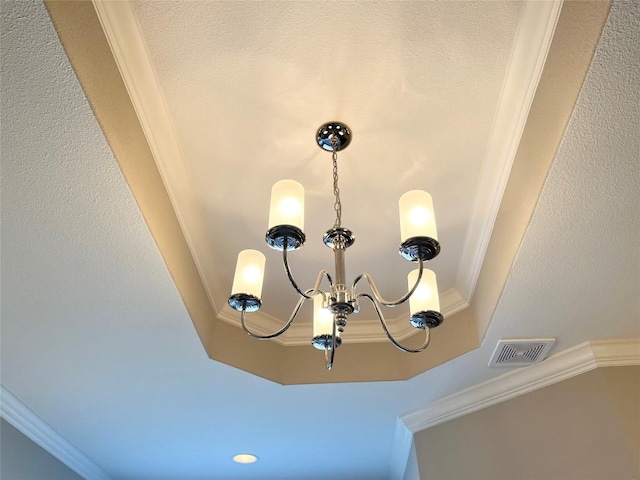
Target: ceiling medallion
(333, 306)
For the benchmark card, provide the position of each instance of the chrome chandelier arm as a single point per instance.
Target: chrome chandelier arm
(296, 309)
(376, 292)
(328, 357)
(386, 329)
(309, 294)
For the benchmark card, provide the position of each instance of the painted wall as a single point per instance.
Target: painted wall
(585, 428)
(22, 459)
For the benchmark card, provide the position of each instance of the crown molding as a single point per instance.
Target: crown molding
(30, 424)
(616, 353)
(532, 44)
(127, 45)
(562, 366)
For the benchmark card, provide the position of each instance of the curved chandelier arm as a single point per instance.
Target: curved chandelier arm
(293, 316)
(376, 292)
(309, 294)
(328, 357)
(386, 329)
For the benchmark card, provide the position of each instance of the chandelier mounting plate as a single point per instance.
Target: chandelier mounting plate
(333, 129)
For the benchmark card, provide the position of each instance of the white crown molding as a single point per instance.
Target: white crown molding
(616, 353)
(569, 363)
(358, 331)
(30, 424)
(561, 366)
(129, 50)
(531, 47)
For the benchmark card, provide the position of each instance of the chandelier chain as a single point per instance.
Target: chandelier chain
(337, 206)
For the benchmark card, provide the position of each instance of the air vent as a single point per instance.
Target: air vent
(520, 353)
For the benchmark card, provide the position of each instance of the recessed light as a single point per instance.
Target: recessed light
(245, 458)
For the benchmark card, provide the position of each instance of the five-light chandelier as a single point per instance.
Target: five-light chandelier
(332, 307)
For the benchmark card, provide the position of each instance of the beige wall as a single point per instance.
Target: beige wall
(585, 428)
(22, 459)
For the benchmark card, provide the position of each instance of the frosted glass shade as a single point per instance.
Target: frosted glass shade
(249, 273)
(416, 216)
(287, 204)
(425, 298)
(322, 319)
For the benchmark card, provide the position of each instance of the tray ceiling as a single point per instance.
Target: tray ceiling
(96, 339)
(230, 95)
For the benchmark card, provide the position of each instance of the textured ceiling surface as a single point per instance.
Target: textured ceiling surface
(582, 242)
(246, 85)
(96, 340)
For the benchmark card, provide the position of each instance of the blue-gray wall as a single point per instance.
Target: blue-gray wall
(22, 459)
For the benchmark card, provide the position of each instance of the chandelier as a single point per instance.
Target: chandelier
(334, 304)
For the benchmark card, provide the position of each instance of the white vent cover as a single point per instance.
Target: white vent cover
(520, 352)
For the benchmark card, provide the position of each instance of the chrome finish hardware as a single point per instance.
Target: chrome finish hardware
(243, 302)
(429, 319)
(340, 300)
(333, 129)
(280, 235)
(338, 235)
(322, 342)
(419, 248)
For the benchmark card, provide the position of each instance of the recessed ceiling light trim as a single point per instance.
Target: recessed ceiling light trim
(245, 458)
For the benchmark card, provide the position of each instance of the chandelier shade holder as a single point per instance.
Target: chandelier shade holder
(333, 306)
